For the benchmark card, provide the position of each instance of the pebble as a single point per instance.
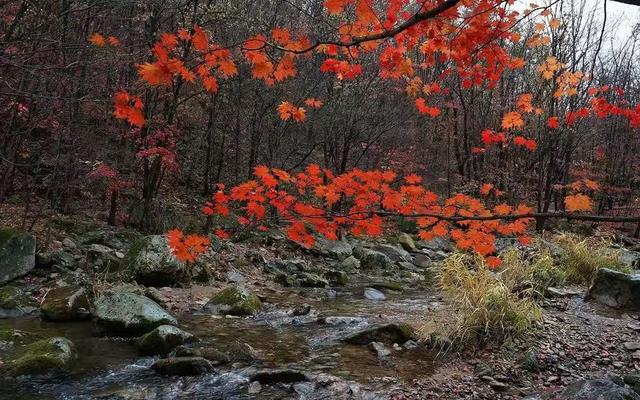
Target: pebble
(255, 387)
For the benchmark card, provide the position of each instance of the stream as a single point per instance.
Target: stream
(110, 368)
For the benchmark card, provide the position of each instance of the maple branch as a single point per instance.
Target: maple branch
(513, 217)
(415, 19)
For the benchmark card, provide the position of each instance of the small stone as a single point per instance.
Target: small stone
(379, 349)
(632, 346)
(255, 388)
(634, 326)
(482, 370)
(374, 294)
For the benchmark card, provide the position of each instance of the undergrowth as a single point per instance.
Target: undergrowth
(582, 257)
(488, 309)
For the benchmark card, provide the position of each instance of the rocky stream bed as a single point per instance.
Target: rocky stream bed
(110, 315)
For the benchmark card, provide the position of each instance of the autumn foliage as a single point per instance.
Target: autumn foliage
(315, 201)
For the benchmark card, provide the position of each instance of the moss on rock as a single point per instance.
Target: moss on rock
(44, 356)
(234, 300)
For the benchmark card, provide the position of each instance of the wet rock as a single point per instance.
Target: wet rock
(339, 278)
(616, 289)
(436, 244)
(395, 253)
(234, 300)
(17, 254)
(337, 249)
(183, 366)
(10, 337)
(54, 354)
(162, 340)
(406, 241)
(337, 321)
(307, 279)
(349, 264)
(562, 292)
(14, 303)
(372, 259)
(422, 261)
(152, 263)
(254, 388)
(242, 352)
(379, 349)
(63, 259)
(103, 257)
(374, 294)
(301, 309)
(410, 345)
(304, 388)
(128, 313)
(273, 376)
(389, 334)
(66, 304)
(597, 389)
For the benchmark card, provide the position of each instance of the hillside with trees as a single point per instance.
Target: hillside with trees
(358, 199)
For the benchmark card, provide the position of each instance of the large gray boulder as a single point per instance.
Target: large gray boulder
(372, 259)
(17, 254)
(337, 249)
(129, 313)
(152, 263)
(616, 289)
(66, 304)
(48, 355)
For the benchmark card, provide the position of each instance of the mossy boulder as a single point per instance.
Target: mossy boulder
(372, 259)
(10, 337)
(129, 313)
(406, 241)
(234, 300)
(337, 277)
(388, 334)
(151, 262)
(17, 254)
(15, 303)
(66, 304)
(44, 356)
(162, 340)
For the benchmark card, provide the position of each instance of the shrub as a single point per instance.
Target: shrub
(487, 308)
(531, 273)
(582, 257)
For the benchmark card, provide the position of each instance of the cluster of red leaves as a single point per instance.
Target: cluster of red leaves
(316, 201)
(99, 40)
(104, 172)
(187, 248)
(129, 107)
(289, 111)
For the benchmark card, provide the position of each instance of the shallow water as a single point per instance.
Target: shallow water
(111, 369)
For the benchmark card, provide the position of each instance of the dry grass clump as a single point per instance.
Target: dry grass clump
(487, 308)
(531, 274)
(582, 257)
